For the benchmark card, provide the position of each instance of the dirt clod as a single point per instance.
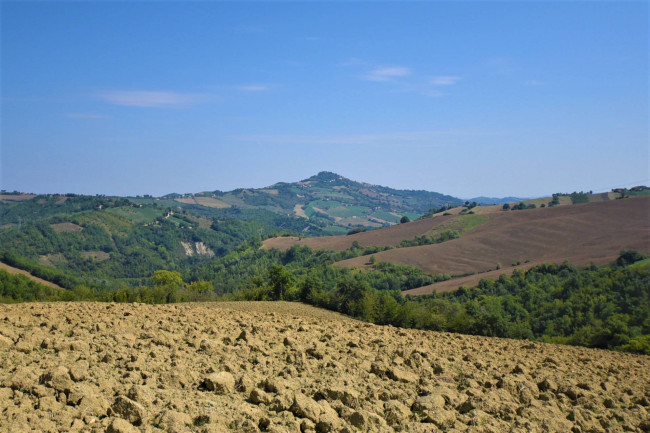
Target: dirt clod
(181, 368)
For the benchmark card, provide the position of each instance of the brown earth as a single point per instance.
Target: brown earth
(468, 281)
(300, 211)
(16, 197)
(66, 227)
(212, 202)
(204, 201)
(280, 367)
(13, 270)
(390, 236)
(580, 234)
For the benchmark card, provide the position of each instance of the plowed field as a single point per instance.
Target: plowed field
(581, 234)
(279, 367)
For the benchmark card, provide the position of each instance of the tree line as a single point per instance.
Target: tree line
(603, 307)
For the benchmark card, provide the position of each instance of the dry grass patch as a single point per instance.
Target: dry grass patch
(187, 200)
(98, 256)
(18, 197)
(51, 259)
(13, 270)
(66, 227)
(212, 202)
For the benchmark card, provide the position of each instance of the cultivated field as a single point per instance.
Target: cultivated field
(13, 270)
(212, 202)
(204, 201)
(279, 367)
(66, 227)
(16, 197)
(581, 234)
(383, 237)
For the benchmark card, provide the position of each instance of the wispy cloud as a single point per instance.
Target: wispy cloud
(84, 116)
(533, 83)
(253, 88)
(387, 73)
(428, 138)
(152, 99)
(352, 61)
(444, 80)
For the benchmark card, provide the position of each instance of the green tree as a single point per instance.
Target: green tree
(310, 286)
(404, 220)
(197, 290)
(168, 283)
(627, 257)
(349, 292)
(280, 281)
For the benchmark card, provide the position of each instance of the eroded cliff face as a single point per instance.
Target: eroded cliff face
(281, 367)
(196, 248)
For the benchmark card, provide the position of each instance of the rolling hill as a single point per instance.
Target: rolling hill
(390, 236)
(102, 240)
(502, 241)
(327, 201)
(581, 234)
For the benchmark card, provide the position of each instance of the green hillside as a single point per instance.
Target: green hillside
(207, 247)
(107, 241)
(330, 202)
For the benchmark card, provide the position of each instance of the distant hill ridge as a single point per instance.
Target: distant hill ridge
(326, 199)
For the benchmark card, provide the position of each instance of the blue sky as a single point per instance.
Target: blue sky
(464, 98)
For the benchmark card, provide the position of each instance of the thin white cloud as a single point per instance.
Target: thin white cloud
(152, 99)
(253, 88)
(444, 80)
(352, 61)
(84, 116)
(533, 83)
(428, 138)
(387, 73)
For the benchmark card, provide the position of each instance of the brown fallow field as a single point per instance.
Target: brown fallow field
(580, 234)
(12, 270)
(16, 197)
(390, 236)
(289, 368)
(592, 232)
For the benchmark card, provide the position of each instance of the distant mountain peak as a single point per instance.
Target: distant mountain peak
(325, 176)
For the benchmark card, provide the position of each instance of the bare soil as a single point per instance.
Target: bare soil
(13, 270)
(280, 367)
(581, 234)
(300, 211)
(16, 197)
(204, 201)
(390, 236)
(66, 227)
(212, 202)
